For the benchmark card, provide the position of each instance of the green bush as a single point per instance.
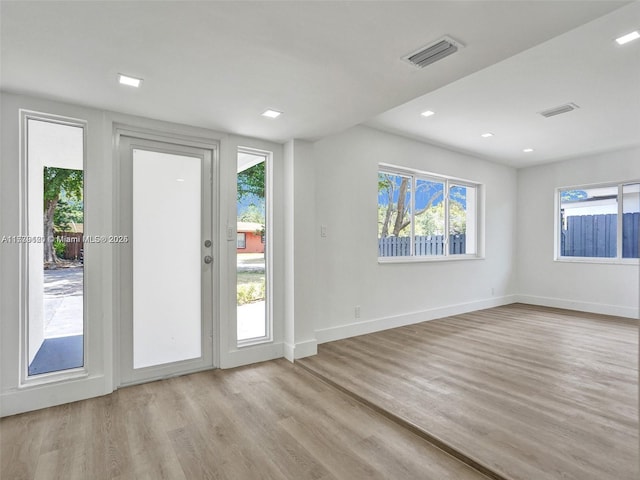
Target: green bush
(250, 292)
(59, 246)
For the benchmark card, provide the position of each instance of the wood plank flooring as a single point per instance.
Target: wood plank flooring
(531, 393)
(267, 421)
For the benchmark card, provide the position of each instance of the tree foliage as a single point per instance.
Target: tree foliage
(253, 213)
(252, 181)
(394, 203)
(57, 182)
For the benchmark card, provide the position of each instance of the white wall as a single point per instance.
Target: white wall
(347, 270)
(300, 246)
(594, 287)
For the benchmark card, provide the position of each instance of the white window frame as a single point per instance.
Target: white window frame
(448, 182)
(26, 380)
(268, 337)
(557, 231)
(241, 245)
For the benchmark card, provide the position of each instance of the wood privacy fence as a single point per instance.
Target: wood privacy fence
(423, 245)
(595, 236)
(73, 243)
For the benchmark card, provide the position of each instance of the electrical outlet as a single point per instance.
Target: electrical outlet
(357, 311)
(323, 231)
(230, 233)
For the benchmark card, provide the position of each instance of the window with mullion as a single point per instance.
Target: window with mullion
(425, 216)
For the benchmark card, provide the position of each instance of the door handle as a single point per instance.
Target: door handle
(208, 259)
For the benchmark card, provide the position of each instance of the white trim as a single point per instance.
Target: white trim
(48, 395)
(618, 259)
(591, 307)
(268, 203)
(414, 175)
(257, 353)
(428, 259)
(304, 349)
(369, 326)
(26, 381)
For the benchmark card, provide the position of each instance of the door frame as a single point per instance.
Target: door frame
(211, 323)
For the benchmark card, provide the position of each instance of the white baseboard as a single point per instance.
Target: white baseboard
(591, 307)
(369, 326)
(300, 350)
(27, 399)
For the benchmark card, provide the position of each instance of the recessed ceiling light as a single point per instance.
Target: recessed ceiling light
(527, 150)
(271, 113)
(130, 81)
(428, 113)
(628, 37)
(487, 135)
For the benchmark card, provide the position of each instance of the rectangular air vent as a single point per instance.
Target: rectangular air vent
(433, 52)
(559, 110)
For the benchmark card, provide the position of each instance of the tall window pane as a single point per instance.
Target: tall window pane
(55, 330)
(251, 248)
(429, 217)
(630, 220)
(394, 215)
(588, 218)
(462, 219)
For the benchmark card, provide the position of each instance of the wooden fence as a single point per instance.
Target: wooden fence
(595, 236)
(423, 245)
(73, 242)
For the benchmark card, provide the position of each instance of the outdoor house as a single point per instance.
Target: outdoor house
(250, 237)
(320, 240)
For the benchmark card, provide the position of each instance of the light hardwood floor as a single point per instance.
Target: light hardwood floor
(530, 393)
(267, 421)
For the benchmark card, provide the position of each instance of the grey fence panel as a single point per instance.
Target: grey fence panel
(424, 245)
(595, 236)
(630, 235)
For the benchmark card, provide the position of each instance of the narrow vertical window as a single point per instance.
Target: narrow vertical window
(429, 217)
(630, 220)
(55, 185)
(462, 219)
(394, 215)
(253, 247)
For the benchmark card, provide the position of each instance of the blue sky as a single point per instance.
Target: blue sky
(425, 190)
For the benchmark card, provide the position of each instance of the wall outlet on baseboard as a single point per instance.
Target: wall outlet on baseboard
(356, 311)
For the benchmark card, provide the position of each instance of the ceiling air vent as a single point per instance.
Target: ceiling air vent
(433, 52)
(559, 110)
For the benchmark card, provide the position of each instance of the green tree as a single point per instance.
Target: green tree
(252, 181)
(57, 182)
(253, 213)
(395, 214)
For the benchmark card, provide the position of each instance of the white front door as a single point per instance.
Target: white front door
(166, 262)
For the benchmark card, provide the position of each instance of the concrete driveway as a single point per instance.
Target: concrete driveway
(63, 301)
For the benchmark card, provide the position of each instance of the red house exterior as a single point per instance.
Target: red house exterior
(250, 238)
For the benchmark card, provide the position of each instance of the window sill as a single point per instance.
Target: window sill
(451, 258)
(252, 342)
(595, 260)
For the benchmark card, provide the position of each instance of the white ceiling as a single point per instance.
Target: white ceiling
(584, 66)
(332, 65)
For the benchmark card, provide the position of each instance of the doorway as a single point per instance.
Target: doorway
(166, 258)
